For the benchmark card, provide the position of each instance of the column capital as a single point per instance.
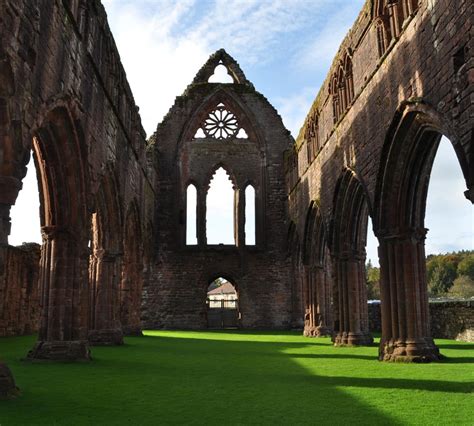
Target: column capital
(52, 232)
(402, 234)
(106, 255)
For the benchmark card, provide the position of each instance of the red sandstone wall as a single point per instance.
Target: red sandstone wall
(19, 291)
(418, 67)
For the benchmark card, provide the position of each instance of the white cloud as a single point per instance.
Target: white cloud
(293, 109)
(163, 44)
(320, 51)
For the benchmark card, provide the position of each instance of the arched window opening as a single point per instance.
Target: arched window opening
(221, 75)
(407, 8)
(449, 220)
(335, 98)
(220, 223)
(312, 136)
(191, 215)
(222, 304)
(382, 41)
(372, 267)
(349, 80)
(26, 226)
(250, 216)
(341, 87)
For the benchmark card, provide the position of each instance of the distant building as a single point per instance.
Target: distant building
(223, 296)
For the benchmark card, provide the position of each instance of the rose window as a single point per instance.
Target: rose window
(221, 124)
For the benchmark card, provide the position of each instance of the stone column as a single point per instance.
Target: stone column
(317, 323)
(131, 288)
(201, 218)
(353, 320)
(239, 217)
(323, 320)
(65, 299)
(406, 334)
(308, 307)
(105, 324)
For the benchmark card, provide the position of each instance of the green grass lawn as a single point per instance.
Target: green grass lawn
(235, 377)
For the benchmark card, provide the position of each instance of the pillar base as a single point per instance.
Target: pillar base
(353, 339)
(132, 331)
(7, 383)
(68, 351)
(413, 350)
(319, 331)
(112, 337)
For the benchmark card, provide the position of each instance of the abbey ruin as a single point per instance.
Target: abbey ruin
(114, 257)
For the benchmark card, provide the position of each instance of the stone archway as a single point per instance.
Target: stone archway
(105, 265)
(404, 175)
(63, 266)
(349, 236)
(223, 310)
(317, 280)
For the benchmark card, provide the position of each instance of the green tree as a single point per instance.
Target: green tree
(373, 281)
(466, 266)
(441, 274)
(463, 287)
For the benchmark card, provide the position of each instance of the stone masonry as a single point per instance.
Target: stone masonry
(114, 256)
(403, 77)
(175, 296)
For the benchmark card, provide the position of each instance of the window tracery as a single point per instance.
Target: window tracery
(221, 123)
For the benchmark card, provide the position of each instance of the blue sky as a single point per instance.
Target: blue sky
(285, 47)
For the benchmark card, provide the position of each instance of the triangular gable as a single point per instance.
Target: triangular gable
(221, 57)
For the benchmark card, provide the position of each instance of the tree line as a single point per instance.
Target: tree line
(448, 275)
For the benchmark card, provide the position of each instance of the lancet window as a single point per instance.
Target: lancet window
(342, 87)
(312, 136)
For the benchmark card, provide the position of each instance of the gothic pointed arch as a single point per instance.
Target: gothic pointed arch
(105, 263)
(222, 110)
(348, 240)
(212, 171)
(402, 185)
(414, 134)
(58, 147)
(381, 19)
(317, 280)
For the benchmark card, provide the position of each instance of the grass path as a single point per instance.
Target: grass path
(231, 378)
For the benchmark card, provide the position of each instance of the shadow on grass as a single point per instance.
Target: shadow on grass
(199, 378)
(457, 360)
(336, 356)
(390, 383)
(460, 346)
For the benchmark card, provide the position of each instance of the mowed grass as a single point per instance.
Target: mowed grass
(235, 377)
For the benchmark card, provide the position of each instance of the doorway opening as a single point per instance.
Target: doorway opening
(222, 305)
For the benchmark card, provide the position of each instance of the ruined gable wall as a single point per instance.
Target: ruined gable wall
(176, 294)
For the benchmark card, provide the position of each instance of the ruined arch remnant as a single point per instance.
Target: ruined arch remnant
(114, 256)
(213, 126)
